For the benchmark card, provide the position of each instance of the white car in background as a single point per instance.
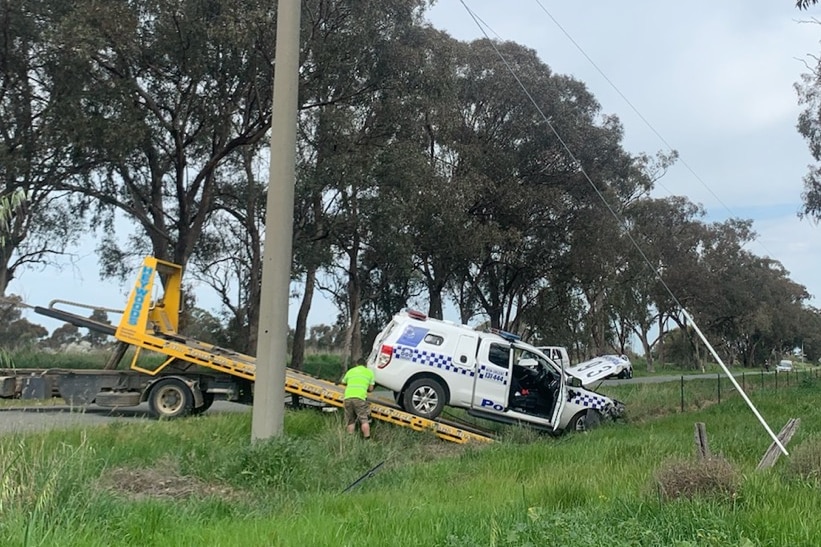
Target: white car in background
(784, 366)
(626, 368)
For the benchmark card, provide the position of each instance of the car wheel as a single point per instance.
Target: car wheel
(623, 374)
(584, 421)
(424, 397)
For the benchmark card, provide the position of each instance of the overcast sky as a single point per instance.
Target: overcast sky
(713, 79)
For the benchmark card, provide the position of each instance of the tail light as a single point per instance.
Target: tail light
(385, 355)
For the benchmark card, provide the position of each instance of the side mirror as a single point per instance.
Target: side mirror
(574, 382)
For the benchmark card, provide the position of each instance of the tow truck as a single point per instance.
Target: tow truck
(192, 373)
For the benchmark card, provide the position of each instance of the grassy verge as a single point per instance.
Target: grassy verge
(200, 481)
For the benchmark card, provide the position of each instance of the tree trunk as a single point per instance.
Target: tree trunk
(435, 308)
(661, 343)
(5, 277)
(354, 308)
(298, 351)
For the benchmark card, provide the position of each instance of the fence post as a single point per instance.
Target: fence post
(718, 385)
(744, 381)
(682, 393)
(762, 379)
(776, 380)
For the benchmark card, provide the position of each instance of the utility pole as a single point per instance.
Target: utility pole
(272, 339)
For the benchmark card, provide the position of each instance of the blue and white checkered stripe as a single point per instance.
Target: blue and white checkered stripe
(431, 359)
(589, 400)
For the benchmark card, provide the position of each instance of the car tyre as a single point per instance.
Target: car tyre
(424, 397)
(584, 421)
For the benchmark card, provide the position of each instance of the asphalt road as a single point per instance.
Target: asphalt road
(42, 418)
(675, 378)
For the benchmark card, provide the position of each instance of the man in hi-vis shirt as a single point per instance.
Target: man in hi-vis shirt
(358, 382)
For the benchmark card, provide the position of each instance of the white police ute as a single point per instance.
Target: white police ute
(429, 363)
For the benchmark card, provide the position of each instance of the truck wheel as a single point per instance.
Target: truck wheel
(424, 397)
(207, 401)
(170, 398)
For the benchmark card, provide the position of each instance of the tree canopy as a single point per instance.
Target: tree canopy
(425, 178)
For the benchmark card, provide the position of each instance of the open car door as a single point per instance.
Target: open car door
(561, 399)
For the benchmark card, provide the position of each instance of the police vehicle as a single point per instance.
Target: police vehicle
(430, 363)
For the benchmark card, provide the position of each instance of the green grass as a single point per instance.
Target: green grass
(590, 489)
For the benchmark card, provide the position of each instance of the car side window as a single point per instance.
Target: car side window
(434, 340)
(499, 355)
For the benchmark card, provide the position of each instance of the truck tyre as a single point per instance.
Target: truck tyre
(424, 397)
(207, 401)
(170, 398)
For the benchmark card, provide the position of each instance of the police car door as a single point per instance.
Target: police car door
(491, 385)
(561, 396)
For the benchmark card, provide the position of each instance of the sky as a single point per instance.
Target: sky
(712, 80)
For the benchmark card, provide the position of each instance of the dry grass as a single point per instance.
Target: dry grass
(160, 482)
(805, 461)
(713, 478)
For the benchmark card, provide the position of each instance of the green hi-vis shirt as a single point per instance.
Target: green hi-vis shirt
(358, 379)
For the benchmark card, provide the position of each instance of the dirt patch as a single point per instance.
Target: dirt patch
(159, 483)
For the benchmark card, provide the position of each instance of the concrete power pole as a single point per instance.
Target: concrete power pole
(272, 340)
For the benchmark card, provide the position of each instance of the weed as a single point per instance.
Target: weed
(712, 477)
(805, 462)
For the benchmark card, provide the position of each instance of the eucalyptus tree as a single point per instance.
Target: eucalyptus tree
(495, 124)
(773, 321)
(745, 303)
(531, 197)
(167, 90)
(228, 255)
(809, 339)
(350, 96)
(809, 126)
(424, 209)
(35, 156)
(668, 232)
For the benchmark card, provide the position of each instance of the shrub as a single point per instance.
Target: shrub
(805, 462)
(712, 477)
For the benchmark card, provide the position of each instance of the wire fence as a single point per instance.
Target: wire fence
(697, 392)
(688, 393)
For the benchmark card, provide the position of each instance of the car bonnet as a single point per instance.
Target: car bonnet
(597, 368)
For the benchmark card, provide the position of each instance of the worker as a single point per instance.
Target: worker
(358, 381)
